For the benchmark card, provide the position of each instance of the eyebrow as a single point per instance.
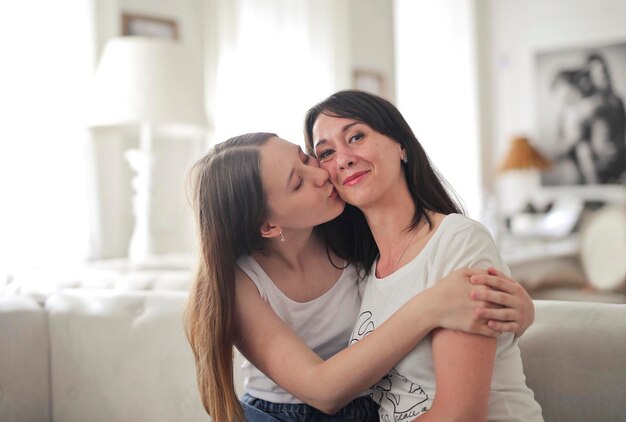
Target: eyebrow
(343, 129)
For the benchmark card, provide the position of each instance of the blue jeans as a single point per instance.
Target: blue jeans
(361, 409)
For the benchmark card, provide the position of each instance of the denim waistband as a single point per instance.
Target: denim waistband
(359, 409)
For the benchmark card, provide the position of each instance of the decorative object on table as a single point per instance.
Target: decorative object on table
(581, 122)
(148, 26)
(603, 248)
(148, 83)
(519, 175)
(558, 222)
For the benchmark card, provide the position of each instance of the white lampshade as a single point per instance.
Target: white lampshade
(151, 80)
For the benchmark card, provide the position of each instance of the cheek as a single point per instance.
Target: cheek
(330, 167)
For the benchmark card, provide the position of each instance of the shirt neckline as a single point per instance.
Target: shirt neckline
(407, 267)
(277, 290)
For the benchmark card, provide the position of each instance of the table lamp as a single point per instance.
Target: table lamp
(520, 174)
(523, 156)
(146, 82)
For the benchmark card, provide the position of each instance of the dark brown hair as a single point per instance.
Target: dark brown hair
(349, 235)
(230, 207)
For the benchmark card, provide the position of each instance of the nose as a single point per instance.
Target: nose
(344, 158)
(320, 176)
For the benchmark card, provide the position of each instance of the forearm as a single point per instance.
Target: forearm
(331, 384)
(439, 414)
(463, 366)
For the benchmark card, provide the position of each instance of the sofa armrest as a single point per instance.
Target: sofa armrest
(574, 359)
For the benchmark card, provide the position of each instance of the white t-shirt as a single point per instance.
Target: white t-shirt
(324, 324)
(408, 390)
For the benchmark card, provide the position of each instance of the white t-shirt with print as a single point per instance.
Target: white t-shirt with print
(408, 390)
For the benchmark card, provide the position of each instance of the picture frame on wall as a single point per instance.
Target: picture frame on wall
(149, 26)
(581, 119)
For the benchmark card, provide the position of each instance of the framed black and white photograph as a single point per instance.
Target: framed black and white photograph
(148, 26)
(580, 114)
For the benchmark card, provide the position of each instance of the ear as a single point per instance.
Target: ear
(268, 230)
(402, 152)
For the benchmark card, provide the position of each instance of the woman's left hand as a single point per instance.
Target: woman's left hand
(514, 310)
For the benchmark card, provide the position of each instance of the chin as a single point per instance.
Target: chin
(356, 200)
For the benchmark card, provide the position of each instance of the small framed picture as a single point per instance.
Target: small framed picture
(148, 26)
(368, 80)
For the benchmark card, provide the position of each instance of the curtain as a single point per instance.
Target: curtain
(274, 60)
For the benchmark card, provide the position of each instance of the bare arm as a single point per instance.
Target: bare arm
(271, 346)
(268, 343)
(463, 366)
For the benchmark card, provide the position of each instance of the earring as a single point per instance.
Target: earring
(282, 238)
(405, 159)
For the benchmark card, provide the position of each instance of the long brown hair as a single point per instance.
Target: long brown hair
(230, 207)
(349, 235)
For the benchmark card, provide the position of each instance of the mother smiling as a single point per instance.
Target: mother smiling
(281, 278)
(396, 200)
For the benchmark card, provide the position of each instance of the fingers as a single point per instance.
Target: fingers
(496, 282)
(472, 271)
(479, 326)
(501, 314)
(509, 327)
(494, 296)
(498, 273)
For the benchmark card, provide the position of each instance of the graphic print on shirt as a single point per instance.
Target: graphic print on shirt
(406, 406)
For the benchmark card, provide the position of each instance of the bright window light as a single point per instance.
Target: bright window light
(47, 62)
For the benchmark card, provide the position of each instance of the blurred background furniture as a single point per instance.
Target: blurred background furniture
(588, 264)
(112, 348)
(152, 84)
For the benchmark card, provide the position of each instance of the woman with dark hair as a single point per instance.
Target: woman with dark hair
(271, 285)
(399, 203)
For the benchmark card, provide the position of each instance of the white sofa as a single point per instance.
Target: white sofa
(120, 355)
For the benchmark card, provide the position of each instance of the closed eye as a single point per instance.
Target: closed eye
(299, 185)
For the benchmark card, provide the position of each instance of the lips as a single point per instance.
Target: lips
(354, 178)
(333, 193)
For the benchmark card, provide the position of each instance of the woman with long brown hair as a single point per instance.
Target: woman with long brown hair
(270, 284)
(398, 202)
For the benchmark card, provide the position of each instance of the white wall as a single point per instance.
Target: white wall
(372, 40)
(437, 88)
(510, 33)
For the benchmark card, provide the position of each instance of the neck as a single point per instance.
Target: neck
(295, 252)
(389, 222)
(390, 218)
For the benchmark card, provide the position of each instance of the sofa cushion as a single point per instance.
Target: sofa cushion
(24, 367)
(575, 360)
(121, 356)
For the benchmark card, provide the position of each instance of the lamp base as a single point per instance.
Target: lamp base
(141, 244)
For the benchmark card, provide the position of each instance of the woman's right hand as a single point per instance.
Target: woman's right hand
(456, 310)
